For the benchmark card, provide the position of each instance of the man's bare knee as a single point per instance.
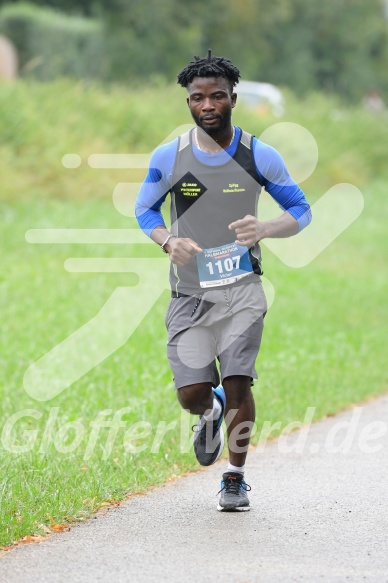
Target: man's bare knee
(196, 398)
(237, 390)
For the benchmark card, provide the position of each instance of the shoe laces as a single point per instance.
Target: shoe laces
(196, 429)
(233, 486)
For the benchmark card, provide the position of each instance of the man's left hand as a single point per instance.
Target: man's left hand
(248, 231)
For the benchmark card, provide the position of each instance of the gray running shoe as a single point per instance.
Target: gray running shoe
(234, 497)
(208, 435)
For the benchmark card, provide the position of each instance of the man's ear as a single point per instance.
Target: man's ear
(187, 101)
(234, 99)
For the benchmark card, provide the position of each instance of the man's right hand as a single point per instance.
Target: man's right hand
(182, 250)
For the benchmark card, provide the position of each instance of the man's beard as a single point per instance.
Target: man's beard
(224, 122)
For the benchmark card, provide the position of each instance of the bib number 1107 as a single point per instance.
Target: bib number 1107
(223, 265)
(228, 264)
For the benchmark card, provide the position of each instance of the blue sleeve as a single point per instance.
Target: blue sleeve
(277, 181)
(155, 188)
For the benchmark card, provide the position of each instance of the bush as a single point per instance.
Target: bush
(51, 44)
(39, 123)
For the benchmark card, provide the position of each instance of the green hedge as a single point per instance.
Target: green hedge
(51, 44)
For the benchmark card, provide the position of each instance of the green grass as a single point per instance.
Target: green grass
(323, 341)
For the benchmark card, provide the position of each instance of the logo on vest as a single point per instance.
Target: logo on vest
(233, 187)
(189, 186)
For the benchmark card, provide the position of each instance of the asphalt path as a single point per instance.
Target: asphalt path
(319, 513)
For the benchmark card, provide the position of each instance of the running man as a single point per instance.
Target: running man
(214, 174)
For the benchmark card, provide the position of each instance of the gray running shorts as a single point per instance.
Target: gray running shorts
(218, 324)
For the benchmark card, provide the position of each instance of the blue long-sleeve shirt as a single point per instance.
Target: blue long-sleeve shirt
(271, 169)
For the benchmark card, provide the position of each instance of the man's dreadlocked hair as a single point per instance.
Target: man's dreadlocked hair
(209, 67)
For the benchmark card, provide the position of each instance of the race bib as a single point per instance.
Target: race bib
(223, 265)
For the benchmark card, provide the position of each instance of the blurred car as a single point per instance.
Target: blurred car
(263, 97)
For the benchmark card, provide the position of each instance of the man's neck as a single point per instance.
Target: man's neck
(212, 144)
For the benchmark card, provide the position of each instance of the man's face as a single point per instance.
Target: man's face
(210, 102)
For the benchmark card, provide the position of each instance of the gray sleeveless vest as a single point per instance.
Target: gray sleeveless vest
(205, 200)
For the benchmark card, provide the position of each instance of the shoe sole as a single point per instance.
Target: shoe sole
(222, 439)
(222, 444)
(233, 508)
